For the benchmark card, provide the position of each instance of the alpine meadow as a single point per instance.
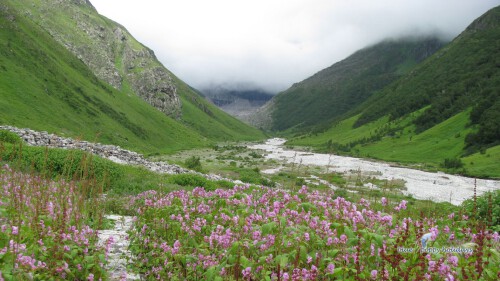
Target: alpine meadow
(383, 165)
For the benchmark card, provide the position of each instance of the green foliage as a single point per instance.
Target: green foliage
(256, 155)
(316, 233)
(193, 163)
(336, 90)
(484, 164)
(194, 180)
(486, 208)
(69, 164)
(45, 87)
(397, 141)
(487, 116)
(63, 207)
(9, 137)
(253, 176)
(453, 163)
(463, 74)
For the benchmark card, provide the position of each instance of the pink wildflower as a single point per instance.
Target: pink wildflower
(330, 268)
(453, 260)
(383, 201)
(246, 272)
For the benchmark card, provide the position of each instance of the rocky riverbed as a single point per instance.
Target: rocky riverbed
(437, 187)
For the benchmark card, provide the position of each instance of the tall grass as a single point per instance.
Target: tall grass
(48, 221)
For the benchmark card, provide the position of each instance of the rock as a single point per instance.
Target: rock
(118, 243)
(111, 152)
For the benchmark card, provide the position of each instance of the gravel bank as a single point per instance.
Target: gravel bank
(437, 187)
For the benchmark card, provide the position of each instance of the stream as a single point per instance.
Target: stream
(437, 187)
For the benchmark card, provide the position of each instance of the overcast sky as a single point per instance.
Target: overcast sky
(275, 43)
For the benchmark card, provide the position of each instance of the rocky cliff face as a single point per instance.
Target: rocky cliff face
(107, 49)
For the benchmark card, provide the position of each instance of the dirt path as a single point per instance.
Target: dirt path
(119, 255)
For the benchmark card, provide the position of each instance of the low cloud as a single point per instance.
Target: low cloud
(275, 43)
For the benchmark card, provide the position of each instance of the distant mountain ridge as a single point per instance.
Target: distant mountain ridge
(240, 103)
(336, 90)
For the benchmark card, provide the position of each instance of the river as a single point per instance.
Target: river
(437, 187)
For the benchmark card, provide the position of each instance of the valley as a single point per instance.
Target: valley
(114, 168)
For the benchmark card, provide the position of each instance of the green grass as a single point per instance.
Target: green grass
(44, 87)
(445, 140)
(399, 142)
(484, 164)
(341, 132)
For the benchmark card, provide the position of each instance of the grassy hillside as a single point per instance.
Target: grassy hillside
(463, 74)
(446, 108)
(336, 90)
(43, 86)
(398, 141)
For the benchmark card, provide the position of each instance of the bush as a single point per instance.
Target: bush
(486, 212)
(453, 163)
(9, 137)
(255, 155)
(193, 163)
(192, 180)
(70, 164)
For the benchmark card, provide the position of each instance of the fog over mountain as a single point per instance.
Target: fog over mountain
(275, 43)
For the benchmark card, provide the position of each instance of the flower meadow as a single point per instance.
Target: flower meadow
(261, 233)
(47, 229)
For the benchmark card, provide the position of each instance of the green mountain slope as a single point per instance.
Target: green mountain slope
(44, 86)
(466, 73)
(341, 87)
(447, 107)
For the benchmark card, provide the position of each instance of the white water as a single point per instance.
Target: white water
(422, 185)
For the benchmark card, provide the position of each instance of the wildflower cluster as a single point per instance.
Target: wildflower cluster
(44, 230)
(259, 233)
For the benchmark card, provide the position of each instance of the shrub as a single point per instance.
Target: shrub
(9, 137)
(192, 180)
(69, 164)
(486, 211)
(193, 163)
(48, 229)
(453, 163)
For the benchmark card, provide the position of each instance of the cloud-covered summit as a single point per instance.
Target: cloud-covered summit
(276, 43)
